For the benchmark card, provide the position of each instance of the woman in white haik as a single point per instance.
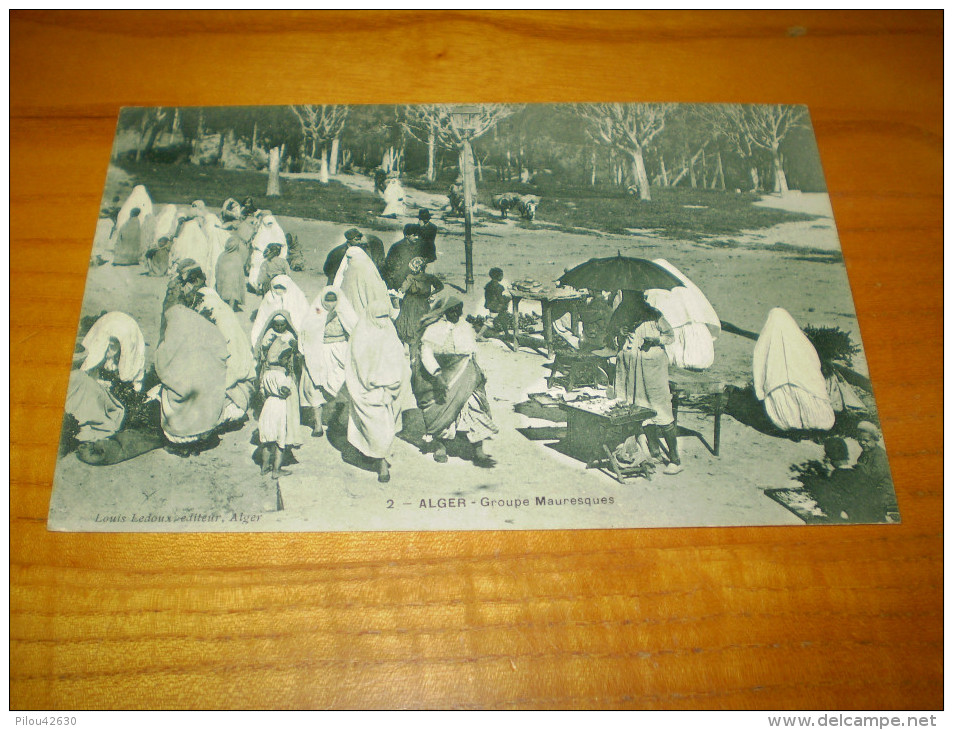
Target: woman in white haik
(377, 376)
(324, 344)
(787, 376)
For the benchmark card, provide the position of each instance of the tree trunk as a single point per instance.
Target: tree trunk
(274, 162)
(254, 136)
(592, 179)
(691, 173)
(333, 161)
(221, 147)
(142, 135)
(324, 164)
(780, 179)
(755, 178)
(431, 155)
(721, 172)
(639, 174)
(663, 173)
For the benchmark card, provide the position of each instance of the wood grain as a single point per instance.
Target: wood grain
(747, 618)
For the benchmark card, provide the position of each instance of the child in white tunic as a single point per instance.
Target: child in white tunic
(277, 426)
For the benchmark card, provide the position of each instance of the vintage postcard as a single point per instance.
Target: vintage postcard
(467, 317)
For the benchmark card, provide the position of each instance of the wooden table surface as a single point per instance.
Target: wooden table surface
(746, 618)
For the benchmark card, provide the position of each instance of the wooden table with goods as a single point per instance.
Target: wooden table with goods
(548, 297)
(752, 618)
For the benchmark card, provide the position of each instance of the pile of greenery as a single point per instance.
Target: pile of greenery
(832, 344)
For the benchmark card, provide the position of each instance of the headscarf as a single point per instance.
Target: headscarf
(132, 352)
(360, 280)
(869, 428)
(440, 308)
(284, 294)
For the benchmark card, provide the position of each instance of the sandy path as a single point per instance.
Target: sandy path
(325, 493)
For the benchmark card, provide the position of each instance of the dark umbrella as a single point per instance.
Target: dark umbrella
(619, 272)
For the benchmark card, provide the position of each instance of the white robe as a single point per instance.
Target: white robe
(787, 376)
(269, 232)
(694, 322)
(132, 346)
(138, 198)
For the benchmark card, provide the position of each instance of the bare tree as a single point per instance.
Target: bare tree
(432, 124)
(421, 121)
(153, 121)
(751, 128)
(321, 125)
(629, 128)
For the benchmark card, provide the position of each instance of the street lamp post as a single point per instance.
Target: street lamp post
(465, 119)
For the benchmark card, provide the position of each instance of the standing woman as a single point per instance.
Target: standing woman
(129, 241)
(360, 281)
(377, 377)
(642, 378)
(230, 274)
(326, 353)
(449, 385)
(240, 371)
(418, 287)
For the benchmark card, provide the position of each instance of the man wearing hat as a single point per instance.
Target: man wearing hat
(352, 237)
(872, 465)
(428, 236)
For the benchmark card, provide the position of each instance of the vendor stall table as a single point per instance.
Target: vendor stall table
(597, 423)
(547, 298)
(687, 383)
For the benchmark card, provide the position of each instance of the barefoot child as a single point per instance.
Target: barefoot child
(277, 425)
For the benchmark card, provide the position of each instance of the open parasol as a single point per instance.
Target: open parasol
(619, 272)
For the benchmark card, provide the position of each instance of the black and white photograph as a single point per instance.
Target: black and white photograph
(467, 317)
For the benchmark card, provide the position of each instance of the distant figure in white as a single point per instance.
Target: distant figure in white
(394, 198)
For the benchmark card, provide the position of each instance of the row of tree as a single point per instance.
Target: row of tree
(635, 146)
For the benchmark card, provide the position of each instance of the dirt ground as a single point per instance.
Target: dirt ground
(221, 489)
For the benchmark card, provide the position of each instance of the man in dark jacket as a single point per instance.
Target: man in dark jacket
(428, 236)
(352, 237)
(397, 263)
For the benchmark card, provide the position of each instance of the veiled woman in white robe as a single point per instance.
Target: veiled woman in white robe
(119, 326)
(377, 377)
(787, 376)
(240, 365)
(325, 347)
(361, 282)
(695, 325)
(268, 232)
